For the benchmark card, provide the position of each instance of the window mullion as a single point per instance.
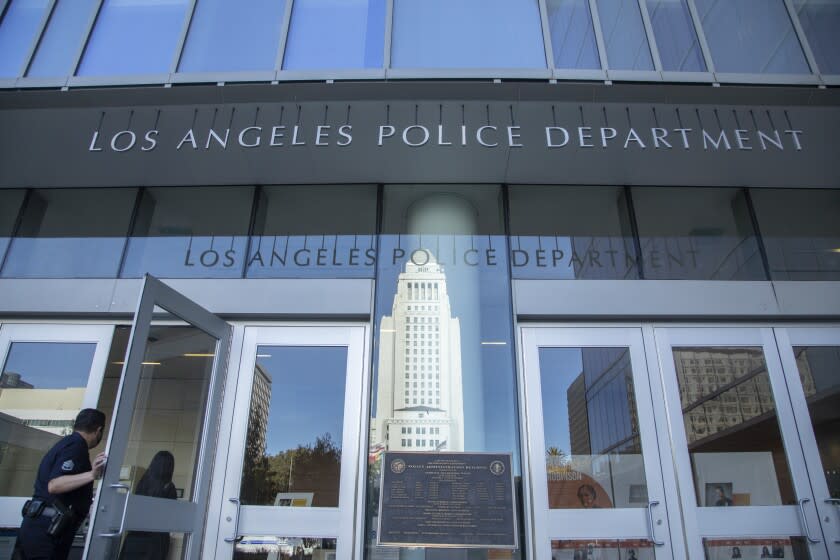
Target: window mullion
(701, 36)
(284, 36)
(182, 40)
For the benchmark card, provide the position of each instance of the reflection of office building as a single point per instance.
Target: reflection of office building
(601, 402)
(419, 400)
(723, 388)
(49, 410)
(258, 415)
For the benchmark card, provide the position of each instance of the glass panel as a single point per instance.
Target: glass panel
(141, 545)
(253, 547)
(624, 35)
(71, 233)
(17, 33)
(780, 547)
(42, 389)
(190, 233)
(467, 34)
(819, 372)
(820, 20)
(295, 427)
(751, 36)
(572, 34)
(593, 449)
(10, 201)
(571, 232)
(602, 549)
(676, 38)
(62, 39)
(336, 34)
(224, 37)
(314, 231)
(734, 441)
(444, 375)
(121, 44)
(801, 232)
(168, 416)
(697, 234)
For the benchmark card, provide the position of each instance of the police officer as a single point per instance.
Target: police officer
(64, 482)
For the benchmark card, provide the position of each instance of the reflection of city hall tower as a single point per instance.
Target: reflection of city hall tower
(420, 405)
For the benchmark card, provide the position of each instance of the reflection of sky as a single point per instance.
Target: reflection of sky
(51, 365)
(559, 367)
(480, 298)
(307, 394)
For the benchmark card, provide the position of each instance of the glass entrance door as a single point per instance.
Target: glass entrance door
(49, 373)
(153, 498)
(743, 477)
(295, 450)
(597, 488)
(811, 361)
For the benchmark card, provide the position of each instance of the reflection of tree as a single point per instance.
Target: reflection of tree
(312, 468)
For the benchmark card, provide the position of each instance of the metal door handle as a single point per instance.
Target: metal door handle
(125, 510)
(652, 536)
(836, 503)
(235, 538)
(802, 503)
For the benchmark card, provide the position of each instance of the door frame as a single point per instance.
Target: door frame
(154, 514)
(223, 513)
(532, 336)
(50, 332)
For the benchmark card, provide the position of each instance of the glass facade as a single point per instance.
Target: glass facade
(444, 377)
(119, 43)
(330, 231)
(624, 35)
(573, 40)
(743, 43)
(471, 34)
(70, 233)
(336, 35)
(490, 38)
(223, 37)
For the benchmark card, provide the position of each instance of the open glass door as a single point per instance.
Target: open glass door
(597, 487)
(739, 461)
(295, 452)
(153, 498)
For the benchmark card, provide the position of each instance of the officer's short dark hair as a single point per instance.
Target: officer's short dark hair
(89, 420)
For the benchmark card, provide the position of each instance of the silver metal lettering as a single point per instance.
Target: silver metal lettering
(721, 139)
(149, 137)
(583, 136)
(607, 136)
(479, 135)
(92, 147)
(441, 141)
(659, 135)
(514, 136)
(633, 137)
(382, 133)
(740, 138)
(777, 142)
(322, 132)
(247, 130)
(295, 142)
(548, 136)
(344, 131)
(683, 132)
(188, 137)
(795, 134)
(212, 135)
(276, 134)
(415, 144)
(132, 141)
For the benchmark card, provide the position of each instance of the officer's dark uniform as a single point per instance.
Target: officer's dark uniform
(69, 456)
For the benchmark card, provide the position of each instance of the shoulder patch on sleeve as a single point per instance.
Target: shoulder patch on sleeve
(68, 465)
